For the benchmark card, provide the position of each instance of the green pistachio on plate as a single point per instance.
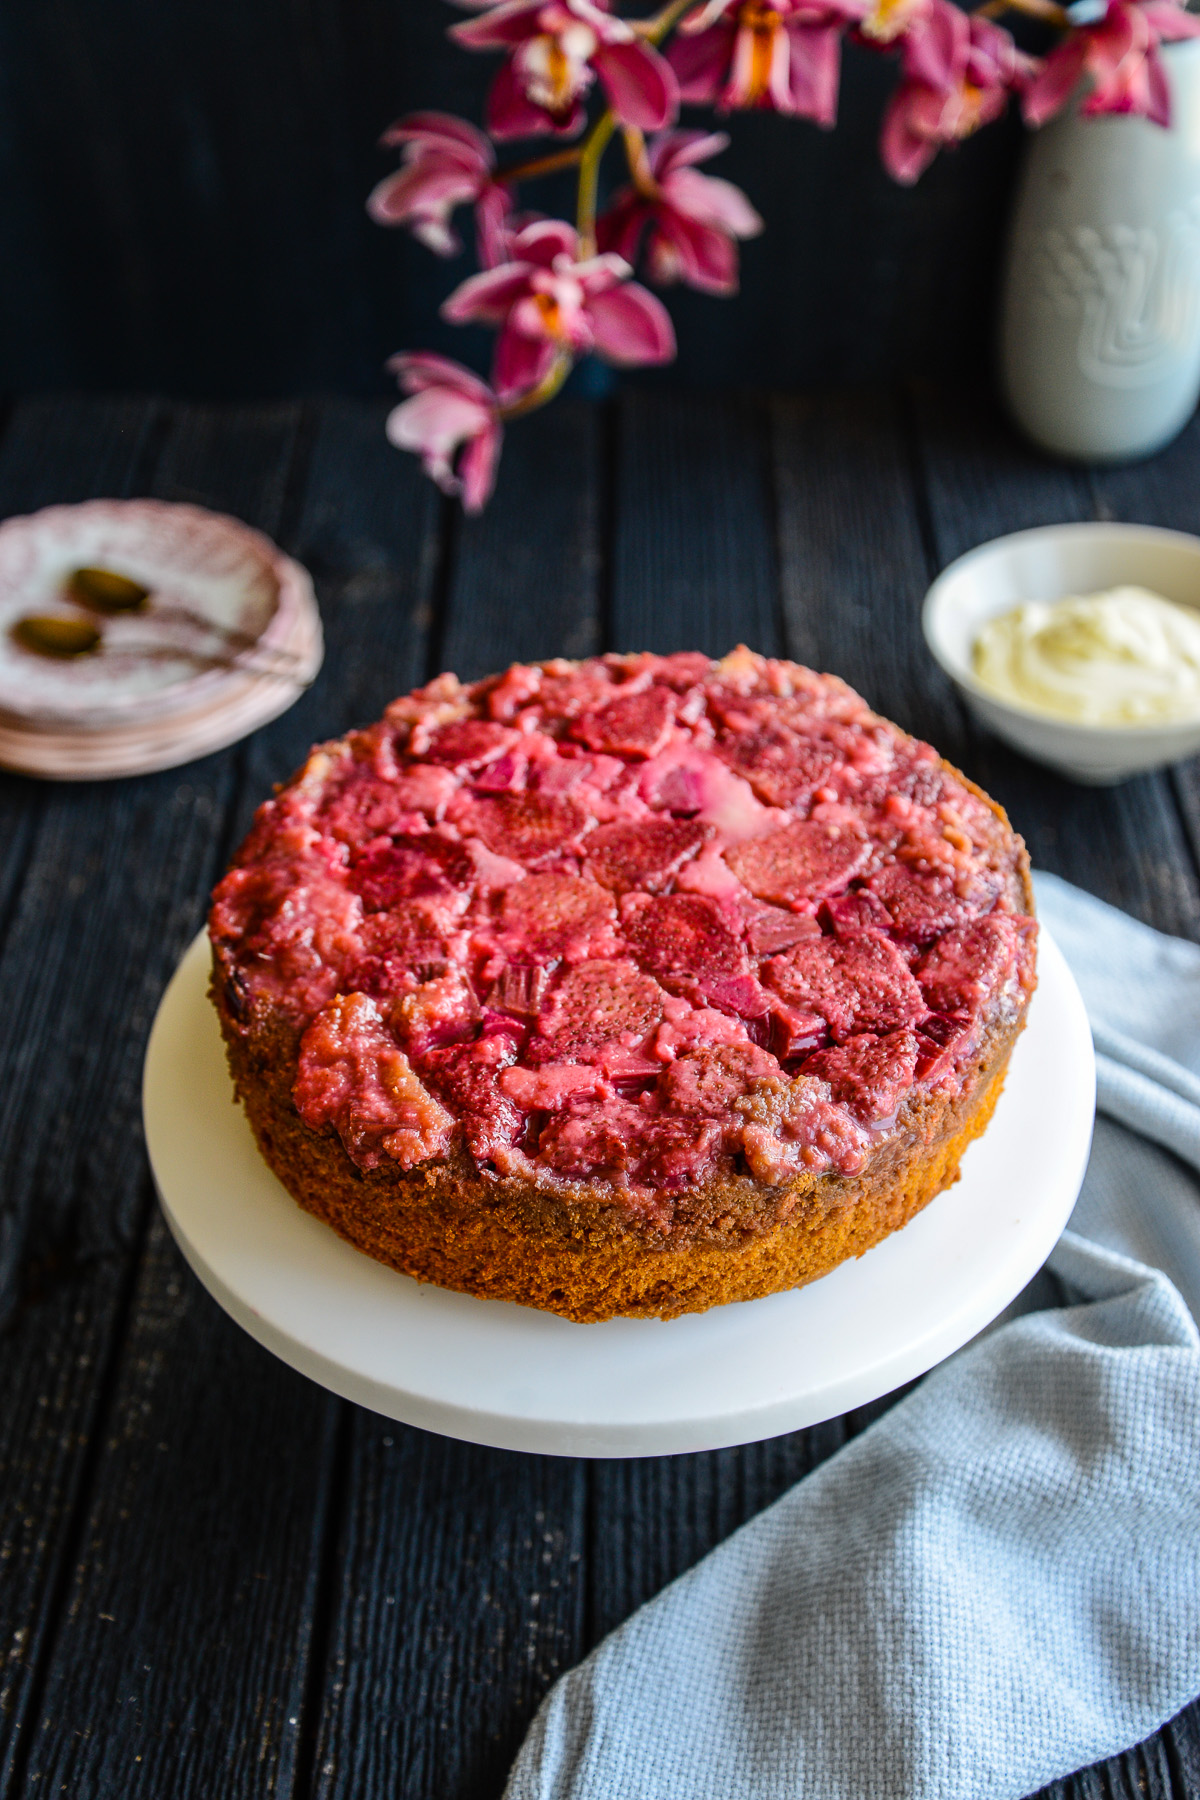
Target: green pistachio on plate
(50, 634)
(104, 591)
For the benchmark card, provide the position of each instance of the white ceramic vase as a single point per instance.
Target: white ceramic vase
(1100, 328)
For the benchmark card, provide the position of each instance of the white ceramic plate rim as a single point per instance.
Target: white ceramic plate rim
(1131, 736)
(509, 1376)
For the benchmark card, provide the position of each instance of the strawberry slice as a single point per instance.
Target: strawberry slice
(596, 1004)
(869, 1075)
(923, 904)
(805, 861)
(970, 965)
(470, 743)
(411, 868)
(529, 828)
(630, 725)
(547, 916)
(862, 985)
(398, 947)
(684, 938)
(644, 855)
(783, 769)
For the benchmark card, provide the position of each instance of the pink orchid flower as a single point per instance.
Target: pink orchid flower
(957, 73)
(447, 163)
(557, 49)
(547, 303)
(1120, 54)
(781, 54)
(694, 220)
(452, 421)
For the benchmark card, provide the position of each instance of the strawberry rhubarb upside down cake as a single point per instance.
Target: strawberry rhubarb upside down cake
(628, 986)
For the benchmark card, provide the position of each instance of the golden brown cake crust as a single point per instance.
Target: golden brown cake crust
(508, 1239)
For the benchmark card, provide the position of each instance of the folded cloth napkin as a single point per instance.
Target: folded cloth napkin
(999, 1581)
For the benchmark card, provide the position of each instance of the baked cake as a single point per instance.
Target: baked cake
(626, 986)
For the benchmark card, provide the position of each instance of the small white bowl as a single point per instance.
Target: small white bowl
(1048, 564)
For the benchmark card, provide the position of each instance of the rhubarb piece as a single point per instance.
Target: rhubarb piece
(596, 1004)
(438, 1011)
(943, 1042)
(770, 929)
(848, 914)
(802, 862)
(553, 915)
(529, 828)
(520, 989)
(353, 1076)
(466, 1077)
(862, 985)
(643, 855)
(796, 1127)
(868, 1074)
(631, 725)
(684, 938)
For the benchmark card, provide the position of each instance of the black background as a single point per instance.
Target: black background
(181, 210)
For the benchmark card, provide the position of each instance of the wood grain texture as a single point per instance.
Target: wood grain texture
(459, 1600)
(114, 889)
(216, 1579)
(694, 562)
(524, 580)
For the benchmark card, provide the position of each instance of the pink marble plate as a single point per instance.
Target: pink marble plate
(156, 662)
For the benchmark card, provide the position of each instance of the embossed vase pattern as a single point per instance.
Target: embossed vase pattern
(1100, 329)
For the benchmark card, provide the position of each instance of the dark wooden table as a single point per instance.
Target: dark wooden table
(216, 1579)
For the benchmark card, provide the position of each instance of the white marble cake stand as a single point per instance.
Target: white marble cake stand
(506, 1375)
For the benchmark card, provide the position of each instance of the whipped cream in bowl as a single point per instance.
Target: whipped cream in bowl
(1124, 657)
(1077, 644)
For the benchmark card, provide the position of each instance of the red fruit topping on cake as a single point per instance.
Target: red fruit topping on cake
(796, 1125)
(781, 768)
(411, 868)
(469, 743)
(548, 916)
(631, 725)
(353, 1076)
(466, 1076)
(923, 905)
(868, 1074)
(861, 985)
(519, 989)
(684, 938)
(848, 914)
(709, 1081)
(970, 966)
(398, 949)
(629, 921)
(596, 1004)
(644, 855)
(801, 862)
(529, 828)
(773, 928)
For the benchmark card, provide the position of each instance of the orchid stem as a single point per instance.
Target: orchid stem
(545, 390)
(655, 30)
(589, 183)
(543, 165)
(639, 162)
(1034, 9)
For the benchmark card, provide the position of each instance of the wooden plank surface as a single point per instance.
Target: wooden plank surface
(217, 1579)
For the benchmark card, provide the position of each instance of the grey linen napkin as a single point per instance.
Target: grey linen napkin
(999, 1581)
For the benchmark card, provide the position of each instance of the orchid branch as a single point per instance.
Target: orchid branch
(589, 182)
